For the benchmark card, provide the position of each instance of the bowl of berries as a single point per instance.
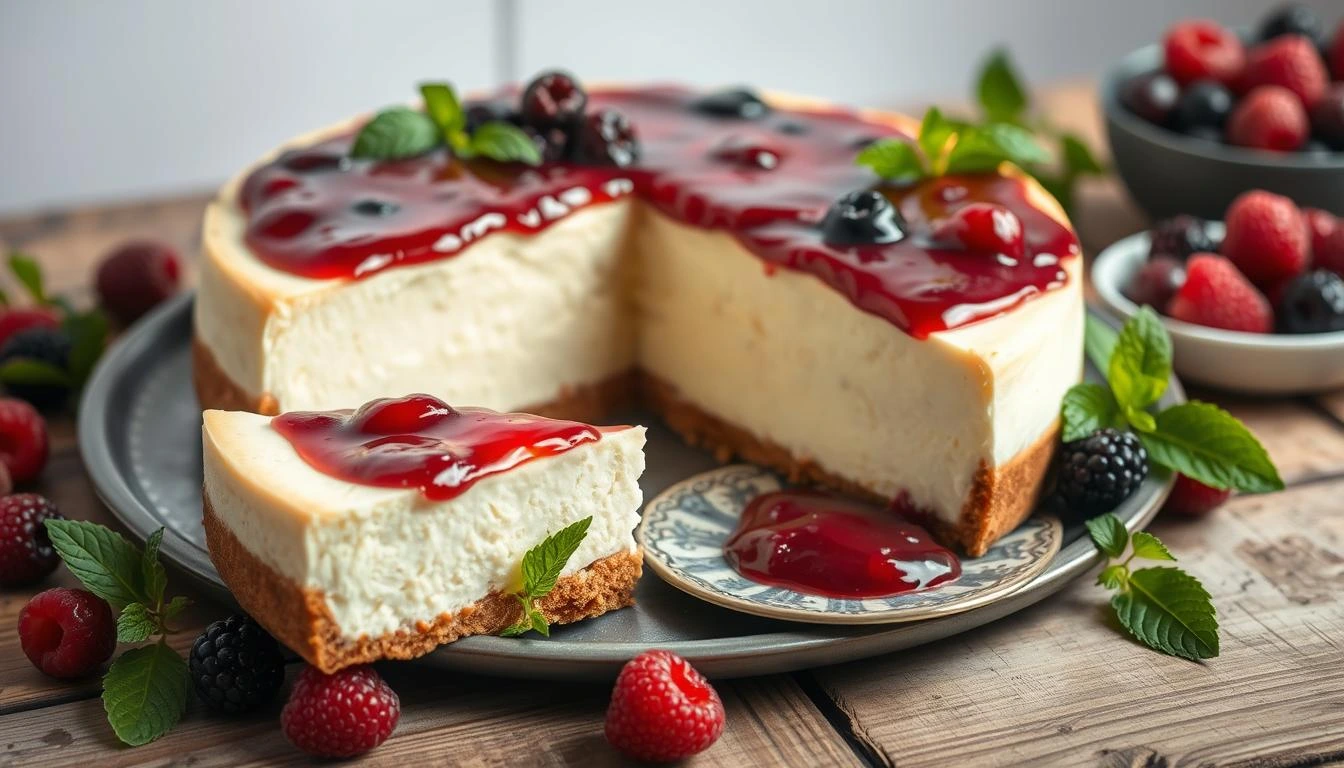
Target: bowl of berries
(1254, 304)
(1210, 113)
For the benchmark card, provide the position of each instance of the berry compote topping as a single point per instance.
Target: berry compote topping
(419, 441)
(765, 176)
(813, 542)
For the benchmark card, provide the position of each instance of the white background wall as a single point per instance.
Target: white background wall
(101, 99)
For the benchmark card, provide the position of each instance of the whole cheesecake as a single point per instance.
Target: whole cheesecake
(699, 273)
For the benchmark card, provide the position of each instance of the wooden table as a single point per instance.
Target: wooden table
(1055, 684)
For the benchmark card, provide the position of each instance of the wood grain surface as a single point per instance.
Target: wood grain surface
(1053, 685)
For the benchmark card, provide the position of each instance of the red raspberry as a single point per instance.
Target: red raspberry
(340, 715)
(67, 633)
(1266, 238)
(1289, 61)
(662, 709)
(1193, 498)
(135, 277)
(1203, 50)
(14, 320)
(1269, 117)
(1216, 295)
(23, 439)
(26, 555)
(984, 228)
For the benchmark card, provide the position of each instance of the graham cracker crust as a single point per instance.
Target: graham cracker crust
(300, 618)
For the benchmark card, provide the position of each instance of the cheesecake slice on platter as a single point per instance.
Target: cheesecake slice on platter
(386, 531)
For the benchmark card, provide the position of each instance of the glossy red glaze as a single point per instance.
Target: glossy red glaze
(421, 442)
(317, 213)
(814, 542)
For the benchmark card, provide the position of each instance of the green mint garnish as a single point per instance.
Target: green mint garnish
(1164, 608)
(401, 132)
(542, 566)
(950, 146)
(999, 90)
(1198, 440)
(29, 275)
(145, 689)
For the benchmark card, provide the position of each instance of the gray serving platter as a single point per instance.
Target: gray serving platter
(139, 432)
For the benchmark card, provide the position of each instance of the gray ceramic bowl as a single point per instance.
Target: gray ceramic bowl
(1168, 173)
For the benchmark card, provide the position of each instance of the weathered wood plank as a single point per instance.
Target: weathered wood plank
(447, 720)
(1056, 685)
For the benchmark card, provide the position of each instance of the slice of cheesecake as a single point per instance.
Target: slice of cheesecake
(384, 532)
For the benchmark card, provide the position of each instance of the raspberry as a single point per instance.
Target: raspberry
(236, 666)
(1156, 282)
(1203, 50)
(1266, 238)
(42, 345)
(340, 715)
(14, 320)
(1193, 498)
(1291, 62)
(1327, 244)
(23, 440)
(136, 277)
(662, 709)
(67, 633)
(1099, 471)
(984, 228)
(1269, 117)
(26, 554)
(1216, 295)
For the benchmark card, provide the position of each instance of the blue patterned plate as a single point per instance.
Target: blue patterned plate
(685, 526)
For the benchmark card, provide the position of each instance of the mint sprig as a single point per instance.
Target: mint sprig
(948, 146)
(397, 133)
(542, 566)
(1196, 439)
(87, 331)
(1164, 608)
(145, 689)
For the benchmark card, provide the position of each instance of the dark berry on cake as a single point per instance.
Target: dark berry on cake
(862, 218)
(740, 103)
(553, 99)
(607, 138)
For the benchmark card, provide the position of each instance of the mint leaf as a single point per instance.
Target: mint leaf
(1078, 158)
(88, 337)
(103, 560)
(934, 132)
(1109, 534)
(893, 159)
(1208, 444)
(1113, 576)
(543, 563)
(1086, 409)
(983, 149)
(145, 693)
(134, 624)
(175, 607)
(1142, 421)
(1149, 547)
(1141, 361)
(505, 142)
(1099, 340)
(999, 90)
(396, 133)
(25, 371)
(155, 578)
(1169, 610)
(27, 271)
(539, 623)
(443, 108)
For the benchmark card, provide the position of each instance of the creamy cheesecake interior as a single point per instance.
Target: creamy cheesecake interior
(344, 573)
(768, 363)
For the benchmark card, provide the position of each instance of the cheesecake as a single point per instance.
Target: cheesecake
(705, 272)
(385, 531)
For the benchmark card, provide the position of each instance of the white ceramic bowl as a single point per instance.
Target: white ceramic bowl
(1254, 363)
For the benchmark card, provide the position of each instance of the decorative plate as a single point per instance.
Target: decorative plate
(684, 529)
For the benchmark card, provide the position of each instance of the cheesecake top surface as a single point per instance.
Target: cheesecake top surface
(768, 179)
(421, 442)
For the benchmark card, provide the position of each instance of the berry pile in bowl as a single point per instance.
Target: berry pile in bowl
(1209, 113)
(1254, 304)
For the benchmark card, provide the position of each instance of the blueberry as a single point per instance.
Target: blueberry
(1290, 19)
(1312, 303)
(372, 207)
(1204, 104)
(1152, 96)
(862, 218)
(732, 102)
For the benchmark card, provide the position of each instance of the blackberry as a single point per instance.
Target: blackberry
(1290, 19)
(607, 138)
(43, 345)
(1312, 303)
(1098, 472)
(1180, 237)
(236, 666)
(739, 103)
(553, 100)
